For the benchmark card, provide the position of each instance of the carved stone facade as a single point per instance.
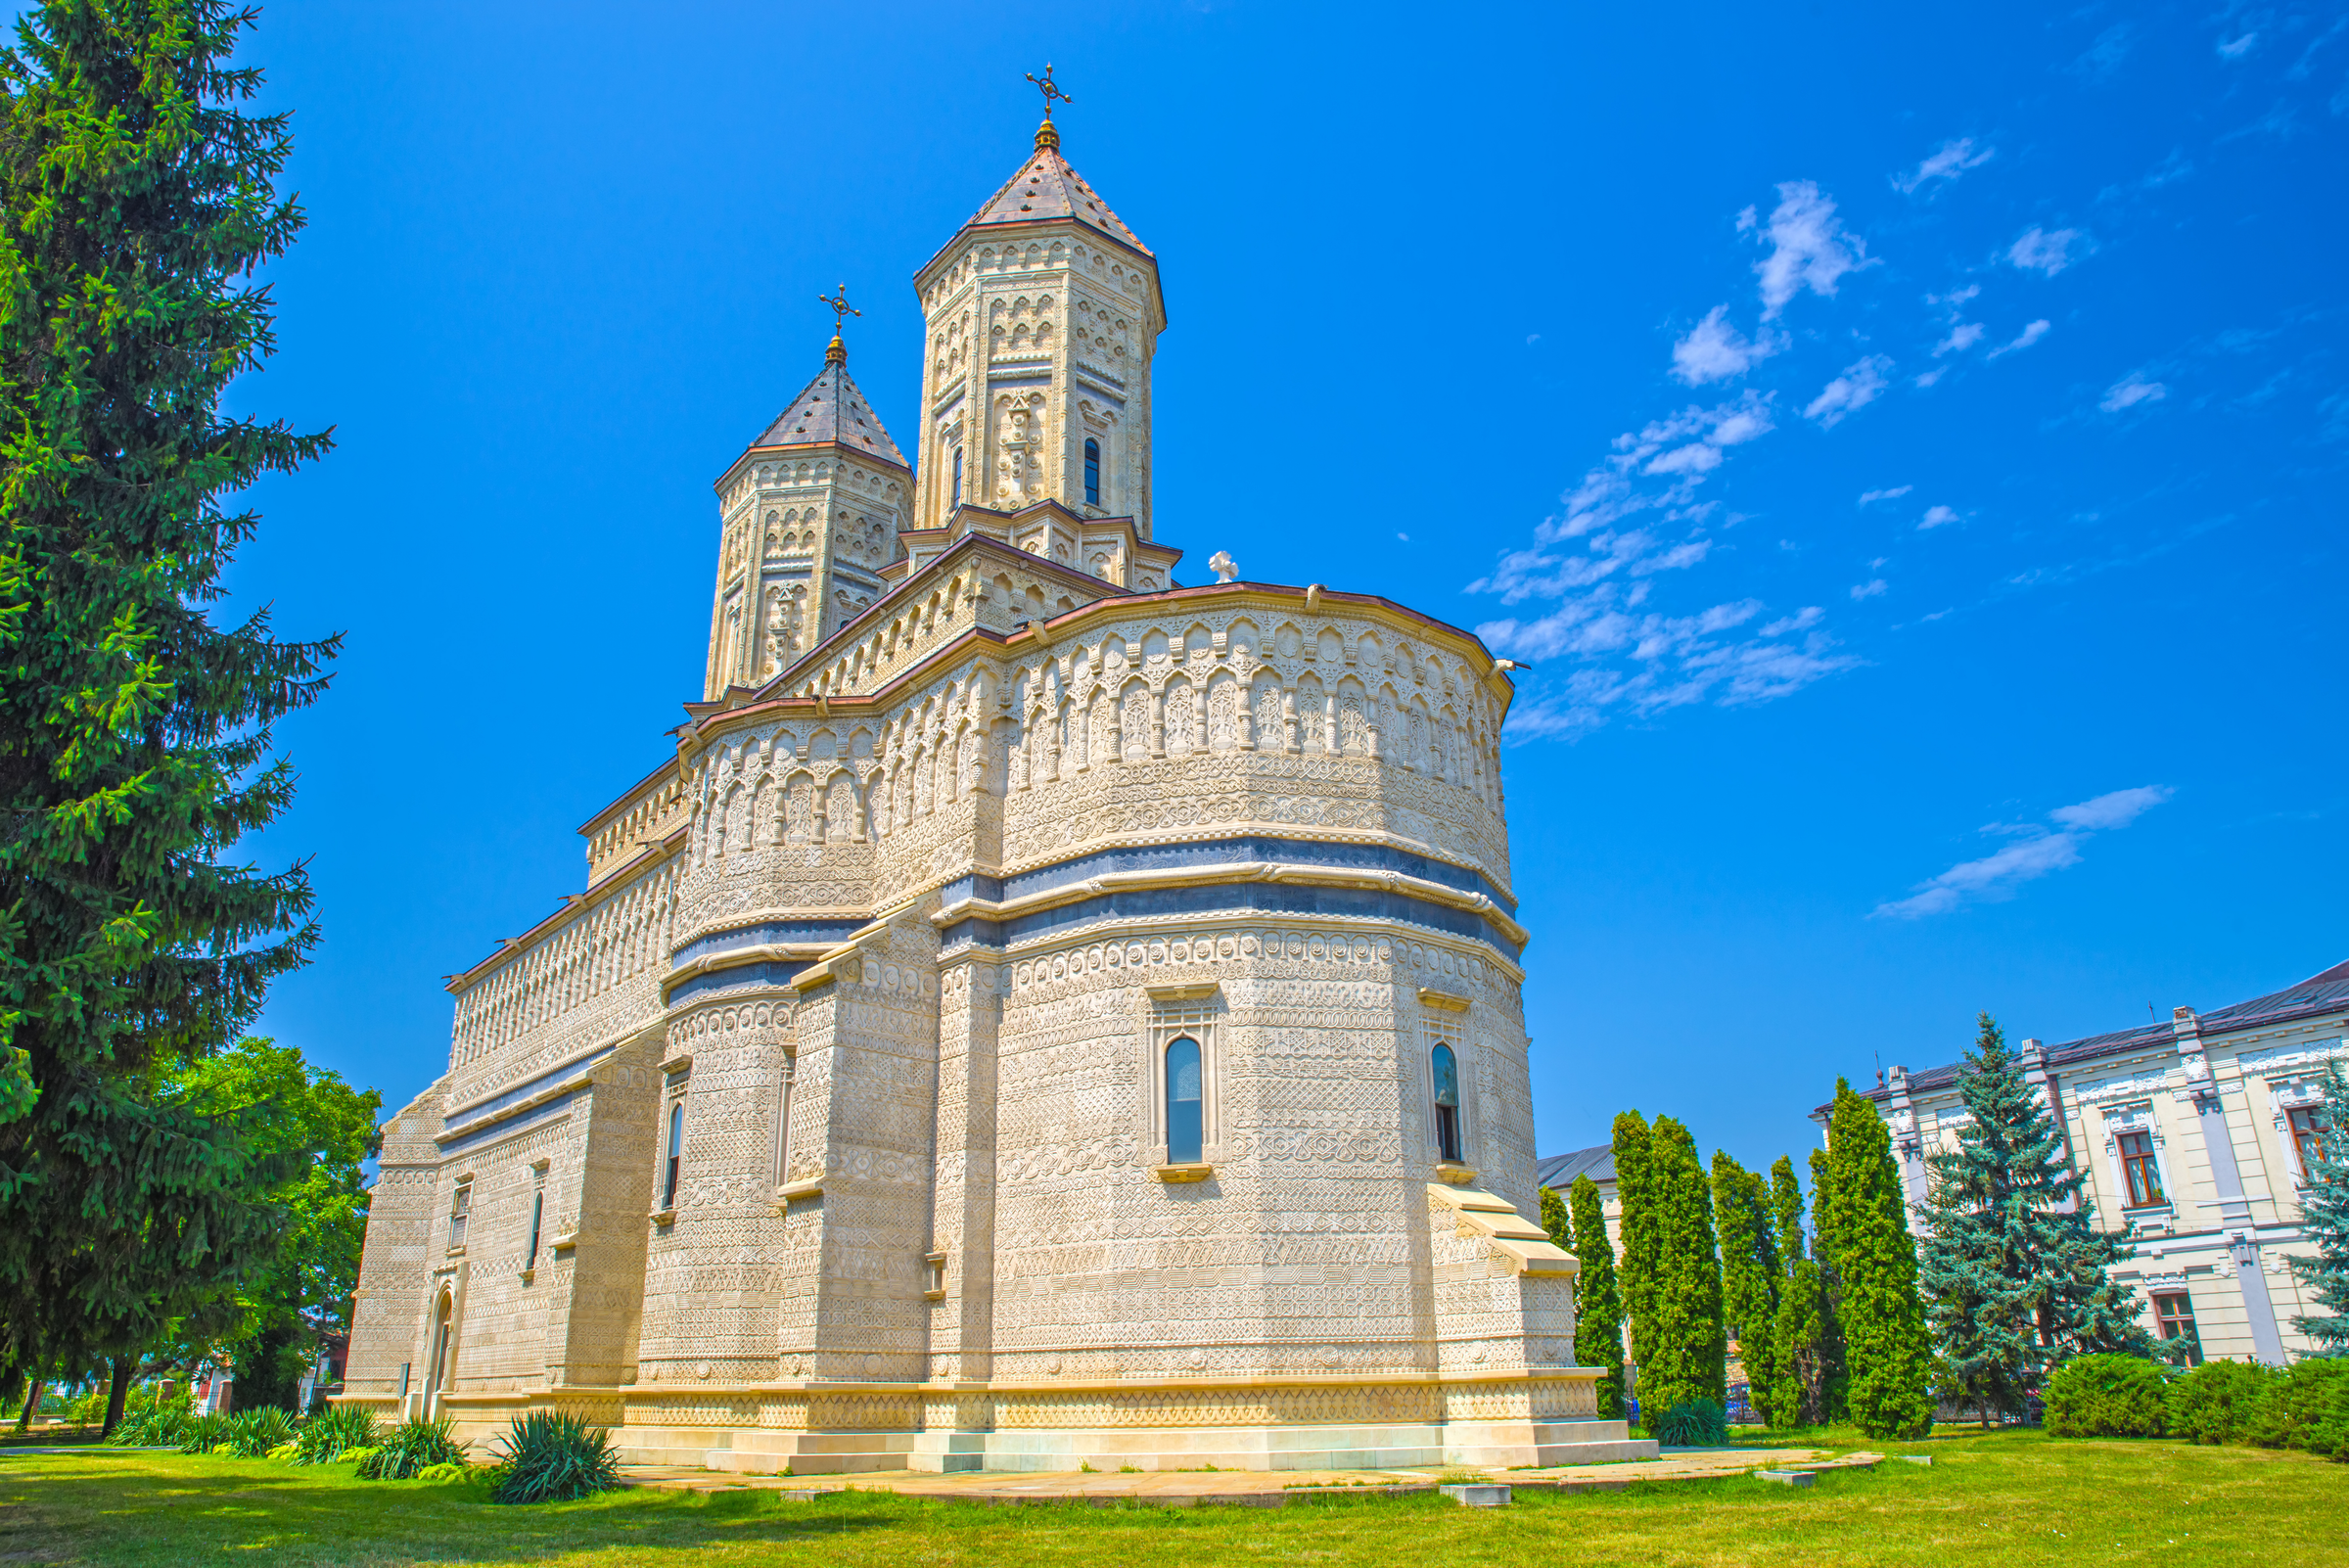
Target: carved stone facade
(1056, 1015)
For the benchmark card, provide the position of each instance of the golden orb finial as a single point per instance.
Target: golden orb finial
(1047, 137)
(836, 352)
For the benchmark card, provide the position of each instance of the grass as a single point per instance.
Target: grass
(2001, 1500)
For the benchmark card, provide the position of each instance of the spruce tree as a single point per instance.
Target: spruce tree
(1685, 1353)
(1749, 1278)
(1889, 1358)
(2014, 1273)
(1808, 1356)
(1636, 1273)
(1598, 1302)
(135, 750)
(2324, 1221)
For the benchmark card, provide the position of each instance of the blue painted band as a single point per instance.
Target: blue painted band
(1236, 898)
(1220, 851)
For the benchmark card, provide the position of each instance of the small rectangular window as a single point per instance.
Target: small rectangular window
(2175, 1312)
(2138, 1170)
(537, 1214)
(460, 1207)
(1092, 473)
(2307, 1142)
(677, 1155)
(1445, 1038)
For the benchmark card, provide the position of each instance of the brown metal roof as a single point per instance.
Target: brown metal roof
(832, 409)
(1046, 188)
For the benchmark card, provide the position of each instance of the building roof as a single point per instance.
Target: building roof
(1045, 189)
(2323, 993)
(831, 409)
(1560, 1170)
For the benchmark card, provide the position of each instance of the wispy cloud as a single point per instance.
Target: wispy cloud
(1962, 337)
(1808, 247)
(1951, 162)
(2130, 391)
(1716, 351)
(2035, 850)
(1871, 498)
(1937, 516)
(2103, 57)
(2236, 48)
(2047, 252)
(1860, 385)
(1874, 588)
(2021, 340)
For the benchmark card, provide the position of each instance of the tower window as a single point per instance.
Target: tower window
(1093, 472)
(1447, 1104)
(677, 1155)
(537, 1214)
(1185, 1125)
(957, 496)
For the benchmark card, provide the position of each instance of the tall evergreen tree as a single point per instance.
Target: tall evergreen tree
(135, 750)
(1636, 1273)
(1598, 1302)
(1750, 1276)
(1889, 1358)
(2324, 1221)
(1686, 1351)
(1807, 1355)
(1556, 1222)
(1834, 1391)
(2014, 1273)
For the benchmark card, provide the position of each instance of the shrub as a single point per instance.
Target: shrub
(252, 1433)
(204, 1433)
(161, 1427)
(1693, 1424)
(2308, 1408)
(334, 1432)
(553, 1457)
(409, 1449)
(443, 1472)
(2218, 1401)
(2106, 1396)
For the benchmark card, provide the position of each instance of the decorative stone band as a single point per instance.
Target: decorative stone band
(1508, 1232)
(549, 1092)
(1351, 856)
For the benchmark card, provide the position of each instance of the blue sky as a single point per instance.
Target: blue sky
(1911, 454)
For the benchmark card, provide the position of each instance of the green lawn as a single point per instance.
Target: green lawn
(2003, 1500)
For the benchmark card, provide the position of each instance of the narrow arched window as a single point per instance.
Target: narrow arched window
(1447, 1104)
(958, 474)
(677, 1155)
(1185, 1125)
(537, 1214)
(1093, 472)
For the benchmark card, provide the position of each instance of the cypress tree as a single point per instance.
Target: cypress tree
(1749, 1278)
(2015, 1276)
(1889, 1358)
(1686, 1351)
(1636, 1192)
(135, 750)
(2324, 1221)
(1833, 1395)
(1598, 1302)
(1556, 1222)
(1808, 1353)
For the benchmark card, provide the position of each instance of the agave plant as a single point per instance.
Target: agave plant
(552, 1457)
(333, 1432)
(252, 1433)
(410, 1449)
(205, 1434)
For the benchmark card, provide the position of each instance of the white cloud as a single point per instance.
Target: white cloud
(1936, 516)
(2130, 391)
(1874, 590)
(1802, 619)
(1858, 386)
(2039, 251)
(2023, 340)
(1932, 376)
(1962, 337)
(1953, 160)
(1870, 497)
(2236, 48)
(2034, 853)
(1714, 350)
(1808, 247)
(1404, 537)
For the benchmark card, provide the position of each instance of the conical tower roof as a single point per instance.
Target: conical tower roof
(832, 409)
(1047, 188)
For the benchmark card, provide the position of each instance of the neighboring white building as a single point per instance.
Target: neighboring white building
(2193, 1136)
(1036, 1012)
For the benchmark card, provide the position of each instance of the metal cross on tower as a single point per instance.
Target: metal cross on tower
(1049, 88)
(838, 300)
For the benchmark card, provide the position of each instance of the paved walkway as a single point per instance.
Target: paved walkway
(1263, 1489)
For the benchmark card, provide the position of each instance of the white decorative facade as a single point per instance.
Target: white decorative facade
(1039, 1014)
(2190, 1136)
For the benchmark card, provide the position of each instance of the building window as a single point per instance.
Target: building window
(782, 1151)
(537, 1217)
(957, 496)
(2175, 1313)
(460, 1208)
(2307, 1142)
(1447, 1067)
(1186, 1122)
(677, 1155)
(2139, 1172)
(1093, 472)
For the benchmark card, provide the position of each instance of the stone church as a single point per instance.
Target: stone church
(1038, 1013)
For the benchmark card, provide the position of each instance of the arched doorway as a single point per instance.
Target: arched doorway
(438, 1367)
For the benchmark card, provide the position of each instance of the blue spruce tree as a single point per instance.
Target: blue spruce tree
(2014, 1273)
(2324, 1221)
